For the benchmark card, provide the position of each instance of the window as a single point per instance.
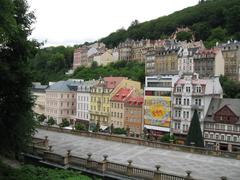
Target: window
(198, 89)
(229, 128)
(188, 89)
(206, 135)
(235, 138)
(178, 125)
(179, 89)
(217, 136)
(179, 113)
(228, 138)
(222, 137)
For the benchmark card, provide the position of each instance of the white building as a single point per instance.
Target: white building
(192, 93)
(83, 102)
(157, 104)
(185, 60)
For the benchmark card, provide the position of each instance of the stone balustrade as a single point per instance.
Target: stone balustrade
(102, 168)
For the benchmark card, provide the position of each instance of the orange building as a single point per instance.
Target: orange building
(133, 115)
(117, 106)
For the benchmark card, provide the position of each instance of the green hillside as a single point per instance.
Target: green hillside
(210, 21)
(133, 70)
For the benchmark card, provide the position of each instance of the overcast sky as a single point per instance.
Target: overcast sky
(69, 22)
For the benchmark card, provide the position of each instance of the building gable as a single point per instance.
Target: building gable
(225, 115)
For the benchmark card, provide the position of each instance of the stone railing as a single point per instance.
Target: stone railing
(102, 168)
(154, 144)
(46, 155)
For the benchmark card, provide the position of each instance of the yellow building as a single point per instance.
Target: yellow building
(167, 61)
(39, 93)
(101, 95)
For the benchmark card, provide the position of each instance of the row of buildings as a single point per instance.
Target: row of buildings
(167, 56)
(108, 101)
(165, 105)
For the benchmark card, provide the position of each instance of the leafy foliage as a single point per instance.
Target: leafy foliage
(168, 138)
(51, 121)
(80, 127)
(202, 19)
(231, 89)
(51, 63)
(41, 117)
(195, 133)
(16, 117)
(133, 70)
(182, 36)
(64, 123)
(29, 172)
(119, 131)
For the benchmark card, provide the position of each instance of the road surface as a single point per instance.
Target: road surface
(176, 162)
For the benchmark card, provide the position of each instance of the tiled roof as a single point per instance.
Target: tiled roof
(122, 95)
(206, 51)
(217, 103)
(134, 101)
(112, 82)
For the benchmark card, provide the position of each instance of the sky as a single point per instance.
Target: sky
(69, 22)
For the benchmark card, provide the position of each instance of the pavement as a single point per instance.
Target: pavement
(175, 162)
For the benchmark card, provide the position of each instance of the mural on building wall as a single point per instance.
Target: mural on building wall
(157, 112)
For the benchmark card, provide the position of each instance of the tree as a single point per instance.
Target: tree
(41, 117)
(64, 123)
(16, 117)
(231, 89)
(194, 136)
(79, 127)
(184, 36)
(97, 128)
(111, 128)
(168, 138)
(51, 121)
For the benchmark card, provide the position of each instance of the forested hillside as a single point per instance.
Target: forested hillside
(133, 70)
(50, 64)
(210, 21)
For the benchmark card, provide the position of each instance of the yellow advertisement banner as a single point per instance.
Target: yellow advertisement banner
(157, 111)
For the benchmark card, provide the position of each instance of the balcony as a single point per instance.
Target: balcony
(177, 105)
(177, 119)
(195, 106)
(177, 93)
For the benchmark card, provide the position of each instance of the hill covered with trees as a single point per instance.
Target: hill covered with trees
(133, 70)
(51, 63)
(211, 21)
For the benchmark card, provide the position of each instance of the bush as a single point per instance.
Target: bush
(51, 121)
(41, 117)
(119, 131)
(80, 127)
(168, 138)
(64, 123)
(29, 172)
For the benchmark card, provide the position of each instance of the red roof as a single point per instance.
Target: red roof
(207, 51)
(112, 82)
(122, 95)
(135, 101)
